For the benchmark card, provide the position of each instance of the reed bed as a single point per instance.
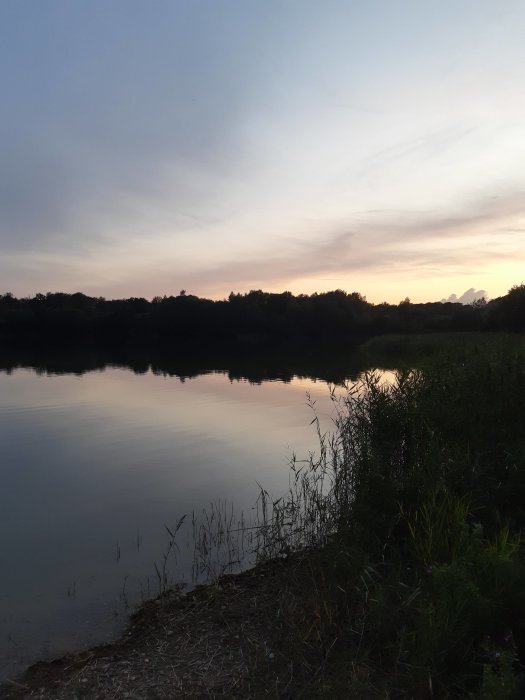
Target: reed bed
(408, 523)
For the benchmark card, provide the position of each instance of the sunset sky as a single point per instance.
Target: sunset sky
(219, 145)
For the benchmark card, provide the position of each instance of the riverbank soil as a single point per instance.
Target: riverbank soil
(227, 640)
(207, 643)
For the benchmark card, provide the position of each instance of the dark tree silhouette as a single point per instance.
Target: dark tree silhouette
(255, 317)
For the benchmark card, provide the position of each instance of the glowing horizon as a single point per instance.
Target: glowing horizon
(278, 146)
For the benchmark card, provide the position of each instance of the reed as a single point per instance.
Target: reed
(407, 522)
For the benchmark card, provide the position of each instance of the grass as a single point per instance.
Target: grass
(408, 523)
(421, 350)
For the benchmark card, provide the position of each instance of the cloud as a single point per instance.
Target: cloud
(468, 297)
(208, 146)
(432, 143)
(389, 244)
(339, 257)
(140, 109)
(404, 242)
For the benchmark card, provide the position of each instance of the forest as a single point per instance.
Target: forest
(254, 317)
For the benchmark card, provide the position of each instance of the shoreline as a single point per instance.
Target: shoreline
(213, 641)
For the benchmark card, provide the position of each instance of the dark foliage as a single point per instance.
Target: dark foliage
(251, 318)
(410, 522)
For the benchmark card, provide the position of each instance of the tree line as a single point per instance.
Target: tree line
(256, 316)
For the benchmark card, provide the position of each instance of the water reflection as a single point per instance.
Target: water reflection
(255, 364)
(96, 459)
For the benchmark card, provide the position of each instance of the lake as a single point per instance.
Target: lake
(97, 459)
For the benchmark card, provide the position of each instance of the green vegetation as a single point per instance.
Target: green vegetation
(410, 576)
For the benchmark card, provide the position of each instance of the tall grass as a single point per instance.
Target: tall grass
(409, 520)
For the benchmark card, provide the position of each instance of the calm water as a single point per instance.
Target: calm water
(95, 465)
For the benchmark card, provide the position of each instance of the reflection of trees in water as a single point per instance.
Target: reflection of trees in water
(239, 363)
(255, 363)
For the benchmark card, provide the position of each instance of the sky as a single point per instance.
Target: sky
(229, 145)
